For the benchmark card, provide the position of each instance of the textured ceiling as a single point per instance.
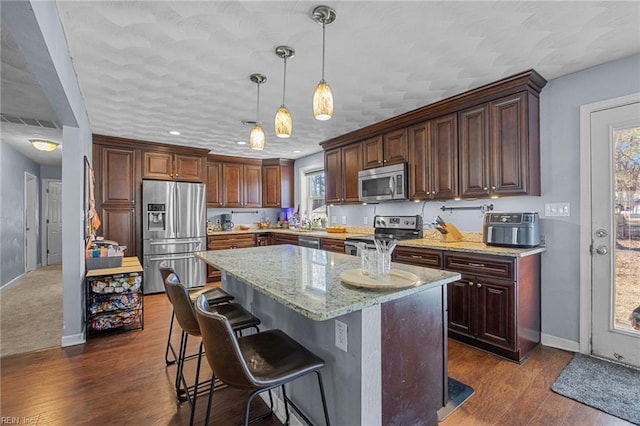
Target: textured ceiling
(149, 67)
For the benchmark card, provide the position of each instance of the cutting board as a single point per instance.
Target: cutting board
(396, 279)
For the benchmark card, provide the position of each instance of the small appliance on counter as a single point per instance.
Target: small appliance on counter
(505, 229)
(226, 220)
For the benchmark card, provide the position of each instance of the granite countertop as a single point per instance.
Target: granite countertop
(308, 280)
(471, 243)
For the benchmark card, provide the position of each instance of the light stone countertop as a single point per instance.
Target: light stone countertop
(471, 243)
(308, 280)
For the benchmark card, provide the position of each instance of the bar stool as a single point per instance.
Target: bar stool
(262, 361)
(184, 310)
(214, 295)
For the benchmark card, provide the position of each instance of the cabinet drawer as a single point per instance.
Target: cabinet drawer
(488, 266)
(230, 241)
(334, 245)
(420, 257)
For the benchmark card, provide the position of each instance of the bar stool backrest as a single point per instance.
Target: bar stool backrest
(165, 271)
(221, 348)
(182, 305)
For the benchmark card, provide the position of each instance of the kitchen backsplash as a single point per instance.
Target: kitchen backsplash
(249, 216)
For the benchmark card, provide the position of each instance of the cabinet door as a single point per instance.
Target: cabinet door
(271, 194)
(119, 224)
(252, 186)
(395, 147)
(188, 168)
(157, 165)
(116, 183)
(232, 188)
(461, 301)
(351, 165)
(496, 313)
(419, 160)
(214, 184)
(444, 157)
(508, 145)
(333, 176)
(474, 152)
(373, 153)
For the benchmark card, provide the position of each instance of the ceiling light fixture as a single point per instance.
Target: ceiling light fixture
(283, 121)
(44, 145)
(322, 97)
(256, 140)
(174, 132)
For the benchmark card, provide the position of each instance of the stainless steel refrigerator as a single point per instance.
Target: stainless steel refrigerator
(174, 226)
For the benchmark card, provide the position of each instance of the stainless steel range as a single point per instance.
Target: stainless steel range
(387, 228)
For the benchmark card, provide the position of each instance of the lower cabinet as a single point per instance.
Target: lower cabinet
(332, 244)
(495, 306)
(276, 238)
(225, 242)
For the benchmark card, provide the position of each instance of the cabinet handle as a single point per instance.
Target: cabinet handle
(471, 283)
(493, 188)
(416, 256)
(485, 188)
(477, 265)
(479, 285)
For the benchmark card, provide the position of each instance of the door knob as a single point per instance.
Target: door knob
(602, 250)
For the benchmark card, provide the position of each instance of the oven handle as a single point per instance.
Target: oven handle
(161, 243)
(159, 259)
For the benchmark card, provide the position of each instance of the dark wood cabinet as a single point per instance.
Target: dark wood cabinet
(117, 174)
(386, 149)
(499, 149)
(341, 174)
(420, 257)
(277, 238)
(277, 183)
(214, 184)
(372, 152)
(433, 159)
(332, 244)
(242, 185)
(226, 242)
(165, 165)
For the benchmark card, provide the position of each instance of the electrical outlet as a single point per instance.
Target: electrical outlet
(543, 240)
(344, 220)
(341, 335)
(334, 220)
(366, 220)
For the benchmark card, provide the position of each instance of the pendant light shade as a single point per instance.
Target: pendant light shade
(323, 97)
(257, 139)
(43, 145)
(283, 123)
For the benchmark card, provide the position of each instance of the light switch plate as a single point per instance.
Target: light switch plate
(557, 209)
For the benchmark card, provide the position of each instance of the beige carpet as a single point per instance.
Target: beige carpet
(31, 312)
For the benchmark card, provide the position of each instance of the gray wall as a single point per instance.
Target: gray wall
(36, 28)
(50, 172)
(13, 165)
(560, 167)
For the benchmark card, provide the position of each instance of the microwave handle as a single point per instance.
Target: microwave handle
(392, 185)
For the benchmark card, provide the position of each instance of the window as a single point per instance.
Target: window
(315, 207)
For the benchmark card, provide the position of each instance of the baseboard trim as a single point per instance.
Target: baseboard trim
(12, 282)
(279, 411)
(72, 340)
(560, 343)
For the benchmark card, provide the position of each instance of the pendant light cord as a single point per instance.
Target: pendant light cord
(323, 25)
(284, 80)
(258, 106)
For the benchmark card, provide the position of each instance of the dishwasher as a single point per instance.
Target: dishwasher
(311, 242)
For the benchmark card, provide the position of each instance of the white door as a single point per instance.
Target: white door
(53, 222)
(615, 233)
(30, 223)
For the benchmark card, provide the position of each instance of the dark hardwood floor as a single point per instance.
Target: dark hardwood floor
(121, 379)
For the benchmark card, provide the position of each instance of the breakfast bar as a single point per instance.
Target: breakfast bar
(392, 367)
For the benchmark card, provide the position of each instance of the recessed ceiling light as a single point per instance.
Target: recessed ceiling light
(296, 151)
(241, 143)
(174, 132)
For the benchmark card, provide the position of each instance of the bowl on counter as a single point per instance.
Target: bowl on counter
(244, 227)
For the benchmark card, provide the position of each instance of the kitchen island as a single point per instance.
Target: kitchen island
(394, 369)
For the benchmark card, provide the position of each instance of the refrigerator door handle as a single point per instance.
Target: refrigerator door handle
(159, 259)
(160, 243)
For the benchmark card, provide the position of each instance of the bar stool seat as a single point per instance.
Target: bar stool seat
(262, 361)
(239, 319)
(214, 295)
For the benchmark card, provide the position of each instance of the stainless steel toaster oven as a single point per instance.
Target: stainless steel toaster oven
(511, 229)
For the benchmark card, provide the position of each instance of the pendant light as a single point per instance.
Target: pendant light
(283, 123)
(322, 97)
(256, 139)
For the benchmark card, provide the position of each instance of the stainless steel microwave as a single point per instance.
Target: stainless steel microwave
(387, 183)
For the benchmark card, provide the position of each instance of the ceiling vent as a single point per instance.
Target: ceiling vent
(29, 121)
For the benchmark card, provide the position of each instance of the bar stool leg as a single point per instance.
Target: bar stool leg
(324, 400)
(169, 345)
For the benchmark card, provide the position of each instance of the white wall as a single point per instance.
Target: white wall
(560, 104)
(37, 29)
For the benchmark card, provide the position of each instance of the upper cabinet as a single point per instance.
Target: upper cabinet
(241, 185)
(481, 143)
(165, 165)
(385, 150)
(499, 148)
(433, 159)
(341, 174)
(277, 183)
(214, 184)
